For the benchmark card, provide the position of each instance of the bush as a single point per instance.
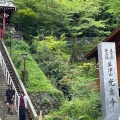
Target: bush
(72, 80)
(83, 109)
(36, 80)
(51, 56)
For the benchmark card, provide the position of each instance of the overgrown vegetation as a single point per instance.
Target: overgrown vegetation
(60, 33)
(77, 18)
(36, 80)
(87, 108)
(75, 81)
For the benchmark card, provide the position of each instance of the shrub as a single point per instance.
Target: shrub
(83, 109)
(36, 80)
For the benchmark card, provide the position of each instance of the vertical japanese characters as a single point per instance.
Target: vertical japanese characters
(111, 85)
(108, 80)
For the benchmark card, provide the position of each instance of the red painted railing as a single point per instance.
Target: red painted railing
(1, 33)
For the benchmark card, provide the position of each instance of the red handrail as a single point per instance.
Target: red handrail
(1, 33)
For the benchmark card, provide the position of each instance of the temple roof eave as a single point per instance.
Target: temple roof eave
(110, 38)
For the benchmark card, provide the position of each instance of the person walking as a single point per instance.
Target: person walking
(9, 99)
(22, 106)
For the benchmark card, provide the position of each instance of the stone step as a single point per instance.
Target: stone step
(3, 88)
(8, 116)
(11, 117)
(2, 78)
(3, 83)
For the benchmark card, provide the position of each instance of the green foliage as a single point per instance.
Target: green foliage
(113, 9)
(54, 17)
(75, 18)
(88, 108)
(87, 69)
(89, 44)
(84, 22)
(36, 80)
(75, 80)
(29, 19)
(51, 56)
(81, 47)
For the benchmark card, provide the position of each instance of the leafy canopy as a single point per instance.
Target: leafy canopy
(55, 17)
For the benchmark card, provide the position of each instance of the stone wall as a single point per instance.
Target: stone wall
(45, 102)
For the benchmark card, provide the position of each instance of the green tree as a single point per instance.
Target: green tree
(27, 21)
(114, 10)
(40, 17)
(54, 17)
(108, 14)
(83, 18)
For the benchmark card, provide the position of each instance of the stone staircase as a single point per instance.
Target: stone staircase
(13, 78)
(3, 88)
